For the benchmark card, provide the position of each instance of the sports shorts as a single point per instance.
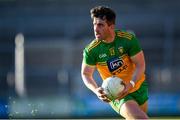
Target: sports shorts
(140, 96)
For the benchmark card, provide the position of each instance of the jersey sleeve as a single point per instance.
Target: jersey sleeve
(88, 57)
(134, 46)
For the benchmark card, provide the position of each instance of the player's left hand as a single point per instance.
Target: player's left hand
(101, 95)
(126, 90)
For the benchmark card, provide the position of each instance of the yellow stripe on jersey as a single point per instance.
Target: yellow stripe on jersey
(102, 63)
(93, 44)
(123, 56)
(125, 35)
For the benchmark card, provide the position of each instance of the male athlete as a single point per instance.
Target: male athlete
(116, 53)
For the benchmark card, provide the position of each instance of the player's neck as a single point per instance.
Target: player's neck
(110, 38)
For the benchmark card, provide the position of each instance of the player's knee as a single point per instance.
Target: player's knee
(140, 115)
(131, 110)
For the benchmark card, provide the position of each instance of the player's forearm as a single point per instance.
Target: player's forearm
(139, 62)
(139, 71)
(90, 83)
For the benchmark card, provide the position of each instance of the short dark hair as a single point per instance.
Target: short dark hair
(104, 13)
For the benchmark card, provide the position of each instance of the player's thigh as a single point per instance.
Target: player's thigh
(131, 109)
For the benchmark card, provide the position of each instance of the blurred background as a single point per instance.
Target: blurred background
(41, 44)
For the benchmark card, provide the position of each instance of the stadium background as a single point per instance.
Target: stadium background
(55, 33)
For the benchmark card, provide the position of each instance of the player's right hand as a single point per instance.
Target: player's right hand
(101, 95)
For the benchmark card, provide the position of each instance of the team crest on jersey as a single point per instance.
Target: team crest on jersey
(114, 63)
(121, 50)
(112, 52)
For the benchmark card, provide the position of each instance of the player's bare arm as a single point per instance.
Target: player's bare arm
(139, 61)
(87, 76)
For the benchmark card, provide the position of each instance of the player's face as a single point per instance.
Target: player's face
(101, 29)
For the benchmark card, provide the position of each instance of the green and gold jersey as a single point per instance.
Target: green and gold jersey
(114, 58)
